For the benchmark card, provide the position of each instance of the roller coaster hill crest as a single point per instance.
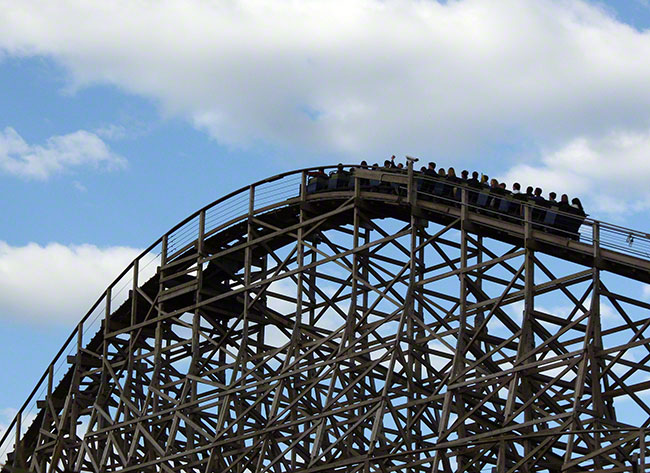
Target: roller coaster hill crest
(365, 321)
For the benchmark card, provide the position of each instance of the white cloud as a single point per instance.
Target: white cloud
(359, 75)
(112, 132)
(133, 129)
(611, 171)
(79, 186)
(80, 148)
(56, 283)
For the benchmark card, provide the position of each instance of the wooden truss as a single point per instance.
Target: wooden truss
(356, 331)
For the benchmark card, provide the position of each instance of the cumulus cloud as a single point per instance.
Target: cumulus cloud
(611, 171)
(354, 76)
(112, 132)
(57, 283)
(19, 158)
(79, 186)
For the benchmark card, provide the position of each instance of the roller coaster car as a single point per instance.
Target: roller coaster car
(547, 218)
(340, 180)
(316, 184)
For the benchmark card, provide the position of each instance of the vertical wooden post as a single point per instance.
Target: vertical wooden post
(410, 186)
(134, 291)
(526, 344)
(101, 422)
(108, 310)
(463, 207)
(132, 334)
(409, 307)
(527, 340)
(80, 337)
(163, 254)
(248, 262)
(528, 224)
(303, 185)
(74, 409)
(155, 376)
(18, 450)
(596, 344)
(459, 361)
(50, 379)
(296, 335)
(199, 242)
(642, 450)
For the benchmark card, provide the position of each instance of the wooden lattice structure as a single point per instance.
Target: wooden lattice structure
(362, 329)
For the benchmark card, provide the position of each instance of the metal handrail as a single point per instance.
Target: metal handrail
(606, 230)
(607, 234)
(611, 236)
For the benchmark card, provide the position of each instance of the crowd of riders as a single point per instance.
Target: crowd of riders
(484, 194)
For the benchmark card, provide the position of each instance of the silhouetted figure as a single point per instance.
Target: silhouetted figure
(375, 183)
(529, 192)
(474, 181)
(498, 202)
(575, 220)
(539, 201)
(564, 203)
(564, 222)
(339, 178)
(430, 171)
(317, 180)
(518, 195)
(451, 190)
(365, 183)
(551, 217)
(576, 204)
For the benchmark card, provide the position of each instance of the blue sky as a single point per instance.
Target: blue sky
(119, 119)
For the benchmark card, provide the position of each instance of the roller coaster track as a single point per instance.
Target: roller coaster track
(376, 326)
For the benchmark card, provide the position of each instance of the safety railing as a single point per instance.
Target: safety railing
(284, 189)
(504, 206)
